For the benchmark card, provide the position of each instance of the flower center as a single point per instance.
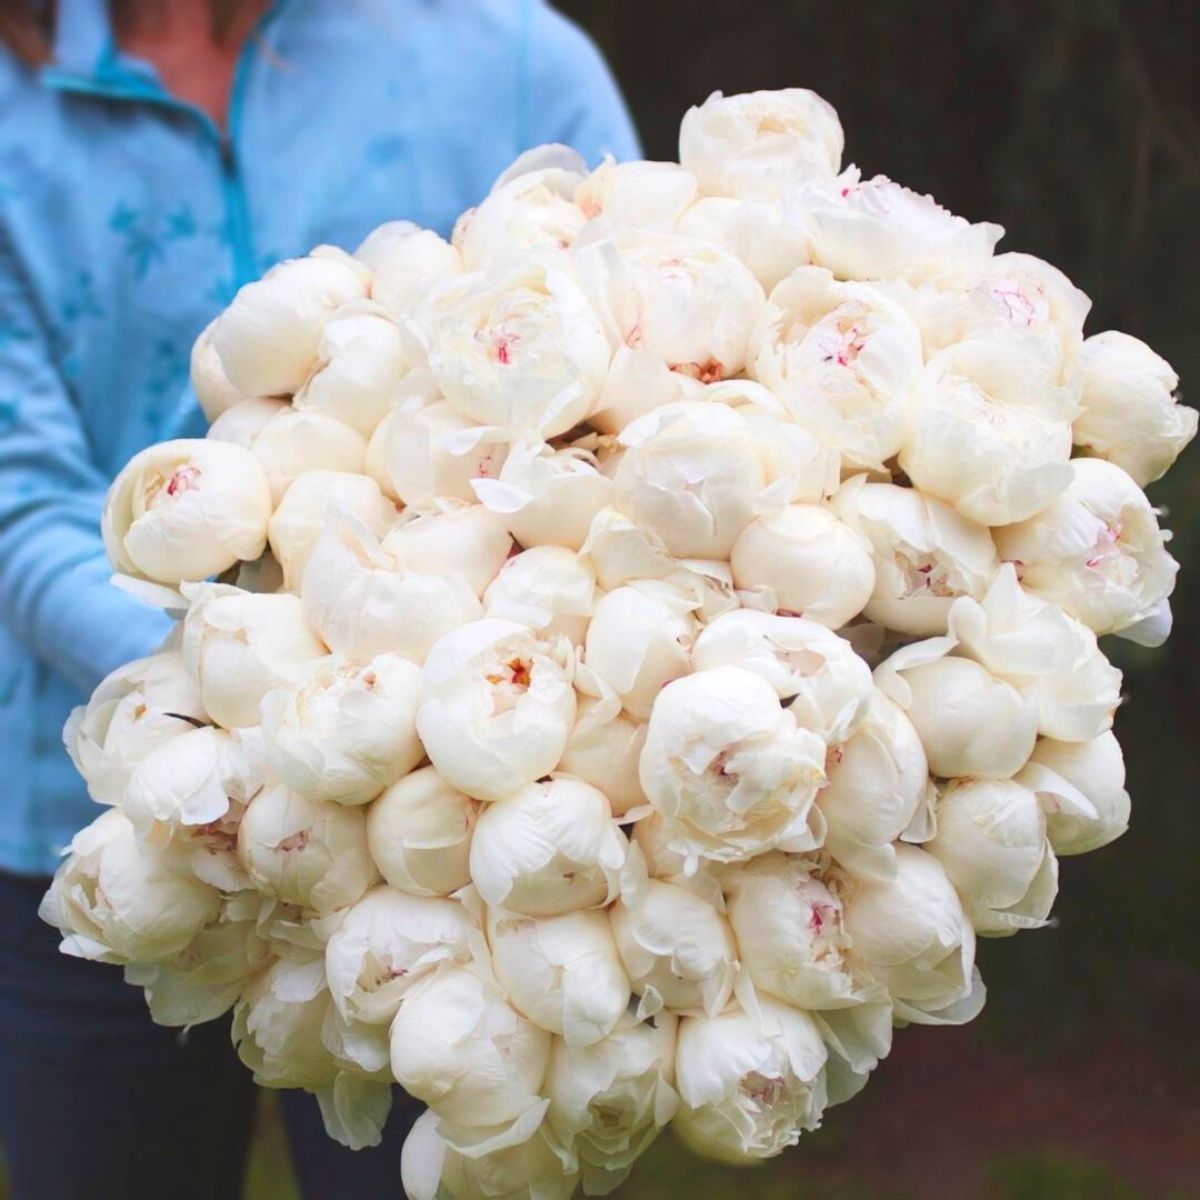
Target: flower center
(762, 1090)
(297, 841)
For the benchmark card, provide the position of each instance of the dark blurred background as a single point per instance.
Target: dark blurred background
(1075, 125)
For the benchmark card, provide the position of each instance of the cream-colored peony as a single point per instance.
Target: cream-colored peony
(268, 339)
(303, 852)
(1097, 551)
(911, 935)
(804, 562)
(345, 730)
(817, 674)
(843, 358)
(407, 262)
(518, 347)
(134, 710)
(549, 588)
(760, 144)
(1128, 411)
(209, 381)
(991, 841)
(238, 645)
(361, 603)
(498, 707)
(562, 972)
(637, 195)
(926, 554)
(116, 899)
(296, 441)
(452, 538)
(604, 749)
(549, 848)
(878, 784)
(242, 422)
(750, 1085)
(691, 475)
(186, 509)
(729, 768)
(310, 502)
(419, 834)
(970, 722)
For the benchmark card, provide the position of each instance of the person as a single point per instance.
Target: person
(154, 157)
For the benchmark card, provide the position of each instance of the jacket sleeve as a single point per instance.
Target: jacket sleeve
(55, 594)
(570, 95)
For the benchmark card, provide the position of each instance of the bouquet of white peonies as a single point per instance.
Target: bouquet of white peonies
(626, 654)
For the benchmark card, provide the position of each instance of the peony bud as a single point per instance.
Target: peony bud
(408, 262)
(637, 195)
(804, 562)
(209, 381)
(186, 509)
(497, 709)
(603, 749)
(419, 834)
(548, 848)
(549, 588)
(464, 540)
(238, 646)
(346, 730)
(297, 441)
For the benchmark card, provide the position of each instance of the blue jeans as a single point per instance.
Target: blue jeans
(99, 1103)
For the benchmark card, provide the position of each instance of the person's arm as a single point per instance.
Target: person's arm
(570, 95)
(55, 594)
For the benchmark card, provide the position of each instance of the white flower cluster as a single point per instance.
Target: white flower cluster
(655, 633)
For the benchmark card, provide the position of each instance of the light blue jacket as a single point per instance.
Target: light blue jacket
(127, 222)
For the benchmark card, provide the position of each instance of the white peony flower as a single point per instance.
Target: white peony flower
(419, 834)
(523, 1165)
(549, 588)
(610, 1100)
(991, 841)
(454, 538)
(209, 381)
(388, 942)
(878, 782)
(910, 933)
(749, 1085)
(969, 721)
(548, 848)
(361, 359)
(637, 195)
(1129, 415)
(989, 435)
(817, 674)
(116, 899)
(432, 451)
(639, 639)
(458, 1046)
(498, 706)
(305, 853)
(729, 768)
(770, 236)
(134, 710)
(843, 358)
(603, 749)
(1041, 651)
(345, 730)
(691, 475)
(525, 210)
(759, 144)
(296, 441)
(926, 554)
(267, 339)
(238, 646)
(1097, 552)
(547, 497)
(788, 925)
(805, 562)
(407, 263)
(562, 972)
(878, 229)
(242, 422)
(190, 780)
(1081, 787)
(308, 504)
(679, 310)
(186, 509)
(203, 981)
(361, 603)
(519, 347)
(678, 950)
